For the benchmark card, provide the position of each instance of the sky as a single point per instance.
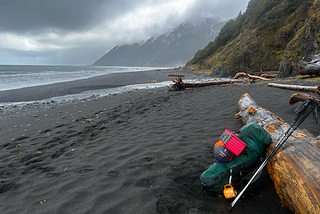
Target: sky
(79, 32)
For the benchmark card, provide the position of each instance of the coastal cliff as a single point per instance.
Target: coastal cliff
(271, 35)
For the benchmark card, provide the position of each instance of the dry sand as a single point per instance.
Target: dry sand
(138, 152)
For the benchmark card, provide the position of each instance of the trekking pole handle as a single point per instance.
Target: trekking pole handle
(315, 116)
(305, 110)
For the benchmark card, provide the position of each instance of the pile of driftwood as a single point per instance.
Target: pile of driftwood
(299, 96)
(311, 68)
(258, 75)
(179, 85)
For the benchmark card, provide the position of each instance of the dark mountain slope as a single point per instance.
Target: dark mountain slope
(117, 54)
(271, 35)
(174, 48)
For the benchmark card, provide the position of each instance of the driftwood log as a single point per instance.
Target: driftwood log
(302, 97)
(315, 89)
(266, 74)
(311, 68)
(295, 169)
(179, 85)
(249, 75)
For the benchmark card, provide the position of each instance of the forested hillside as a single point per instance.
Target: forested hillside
(271, 35)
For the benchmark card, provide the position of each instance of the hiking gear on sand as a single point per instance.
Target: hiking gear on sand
(217, 175)
(221, 153)
(302, 113)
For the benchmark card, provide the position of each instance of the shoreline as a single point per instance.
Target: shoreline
(29, 100)
(136, 152)
(113, 80)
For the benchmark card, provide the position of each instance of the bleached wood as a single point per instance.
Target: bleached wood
(294, 87)
(295, 169)
(249, 75)
(296, 97)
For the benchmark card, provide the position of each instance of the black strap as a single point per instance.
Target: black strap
(247, 175)
(241, 174)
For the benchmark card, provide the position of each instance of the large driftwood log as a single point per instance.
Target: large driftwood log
(302, 97)
(180, 85)
(295, 169)
(314, 89)
(310, 68)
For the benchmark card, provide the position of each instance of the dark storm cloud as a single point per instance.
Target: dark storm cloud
(69, 15)
(81, 31)
(78, 15)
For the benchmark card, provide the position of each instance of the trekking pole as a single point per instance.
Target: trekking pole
(302, 113)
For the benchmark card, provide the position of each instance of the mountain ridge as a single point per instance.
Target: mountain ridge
(173, 48)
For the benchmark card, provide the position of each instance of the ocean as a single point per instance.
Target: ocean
(21, 76)
(25, 76)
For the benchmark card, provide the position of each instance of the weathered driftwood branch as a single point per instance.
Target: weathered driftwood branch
(179, 85)
(249, 75)
(302, 97)
(315, 89)
(266, 74)
(269, 75)
(310, 68)
(295, 169)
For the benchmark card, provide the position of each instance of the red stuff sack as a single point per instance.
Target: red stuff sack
(232, 142)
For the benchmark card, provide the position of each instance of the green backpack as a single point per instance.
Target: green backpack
(217, 175)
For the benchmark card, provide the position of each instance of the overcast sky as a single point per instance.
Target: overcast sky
(78, 32)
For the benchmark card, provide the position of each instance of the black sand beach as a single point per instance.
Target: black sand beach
(94, 83)
(138, 152)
